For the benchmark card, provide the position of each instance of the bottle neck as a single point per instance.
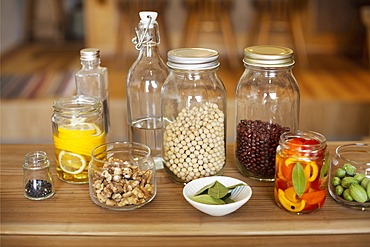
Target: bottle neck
(36, 160)
(147, 36)
(91, 64)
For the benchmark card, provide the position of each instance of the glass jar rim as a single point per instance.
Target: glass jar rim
(76, 104)
(142, 148)
(36, 160)
(351, 147)
(287, 136)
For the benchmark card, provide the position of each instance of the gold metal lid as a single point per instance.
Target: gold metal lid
(268, 56)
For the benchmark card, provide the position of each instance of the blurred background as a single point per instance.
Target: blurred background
(41, 40)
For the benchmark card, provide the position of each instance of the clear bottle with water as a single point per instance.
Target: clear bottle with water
(92, 80)
(144, 82)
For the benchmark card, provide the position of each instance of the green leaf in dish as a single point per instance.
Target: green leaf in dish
(218, 190)
(207, 199)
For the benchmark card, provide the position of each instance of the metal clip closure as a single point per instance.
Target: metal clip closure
(138, 41)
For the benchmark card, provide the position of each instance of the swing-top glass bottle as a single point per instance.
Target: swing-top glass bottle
(144, 82)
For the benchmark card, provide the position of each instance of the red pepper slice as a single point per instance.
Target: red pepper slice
(314, 197)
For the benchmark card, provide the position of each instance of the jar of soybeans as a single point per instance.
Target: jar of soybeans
(267, 105)
(194, 115)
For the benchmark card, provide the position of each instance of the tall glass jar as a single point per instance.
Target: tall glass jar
(194, 115)
(78, 127)
(302, 171)
(267, 105)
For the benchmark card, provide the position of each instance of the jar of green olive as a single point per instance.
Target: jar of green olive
(194, 115)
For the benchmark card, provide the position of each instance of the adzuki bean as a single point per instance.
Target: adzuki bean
(256, 144)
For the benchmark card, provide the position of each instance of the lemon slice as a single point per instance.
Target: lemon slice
(71, 163)
(78, 129)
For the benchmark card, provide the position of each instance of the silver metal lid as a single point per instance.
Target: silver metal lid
(89, 54)
(268, 56)
(193, 59)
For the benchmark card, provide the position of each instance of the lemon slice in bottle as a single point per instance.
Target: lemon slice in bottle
(71, 163)
(77, 129)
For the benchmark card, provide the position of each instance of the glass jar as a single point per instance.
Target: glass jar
(267, 105)
(351, 164)
(302, 171)
(122, 175)
(78, 128)
(37, 179)
(194, 115)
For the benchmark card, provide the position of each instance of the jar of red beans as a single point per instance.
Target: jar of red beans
(267, 105)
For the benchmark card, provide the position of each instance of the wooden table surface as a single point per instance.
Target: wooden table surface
(70, 218)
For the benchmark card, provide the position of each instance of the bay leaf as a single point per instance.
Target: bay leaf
(227, 198)
(236, 185)
(324, 169)
(218, 190)
(207, 199)
(298, 179)
(205, 188)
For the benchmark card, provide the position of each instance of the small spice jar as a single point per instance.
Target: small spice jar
(122, 175)
(37, 179)
(302, 171)
(194, 115)
(267, 105)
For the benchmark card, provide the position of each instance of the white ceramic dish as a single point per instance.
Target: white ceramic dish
(240, 195)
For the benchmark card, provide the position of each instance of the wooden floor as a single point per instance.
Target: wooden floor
(335, 90)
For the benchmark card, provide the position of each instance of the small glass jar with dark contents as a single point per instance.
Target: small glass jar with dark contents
(267, 105)
(37, 179)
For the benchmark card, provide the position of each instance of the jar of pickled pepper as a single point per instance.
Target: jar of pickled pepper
(301, 175)
(267, 105)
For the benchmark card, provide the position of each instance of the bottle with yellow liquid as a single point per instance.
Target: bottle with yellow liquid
(78, 127)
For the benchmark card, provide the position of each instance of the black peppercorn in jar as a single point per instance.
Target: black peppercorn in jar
(37, 179)
(193, 108)
(267, 105)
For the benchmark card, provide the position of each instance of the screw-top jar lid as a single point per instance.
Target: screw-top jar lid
(89, 54)
(193, 59)
(268, 56)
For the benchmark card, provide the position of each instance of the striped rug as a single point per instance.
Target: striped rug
(38, 85)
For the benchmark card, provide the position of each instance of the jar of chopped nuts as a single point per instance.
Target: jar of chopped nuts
(267, 105)
(194, 115)
(122, 175)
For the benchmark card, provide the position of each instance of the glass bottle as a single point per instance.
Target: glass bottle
(144, 82)
(302, 171)
(78, 127)
(37, 179)
(267, 105)
(92, 80)
(194, 115)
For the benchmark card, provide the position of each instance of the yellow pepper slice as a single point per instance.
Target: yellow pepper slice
(291, 195)
(311, 171)
(289, 205)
